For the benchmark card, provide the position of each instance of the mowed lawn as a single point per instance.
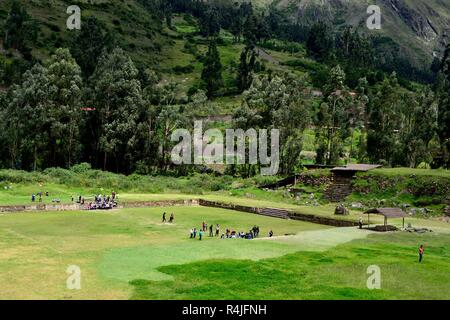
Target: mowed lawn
(131, 254)
(115, 247)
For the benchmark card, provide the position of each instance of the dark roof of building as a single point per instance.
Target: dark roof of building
(357, 167)
(388, 212)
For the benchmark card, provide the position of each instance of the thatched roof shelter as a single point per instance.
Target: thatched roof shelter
(387, 213)
(357, 167)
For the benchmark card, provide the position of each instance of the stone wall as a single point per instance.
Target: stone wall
(76, 206)
(228, 206)
(289, 214)
(322, 220)
(41, 207)
(163, 203)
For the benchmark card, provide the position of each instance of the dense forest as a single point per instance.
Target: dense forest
(91, 101)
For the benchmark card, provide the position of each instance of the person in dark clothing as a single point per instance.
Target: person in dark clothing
(171, 217)
(421, 251)
(164, 217)
(217, 230)
(33, 198)
(270, 234)
(211, 230)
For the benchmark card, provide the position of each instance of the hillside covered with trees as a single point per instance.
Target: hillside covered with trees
(112, 93)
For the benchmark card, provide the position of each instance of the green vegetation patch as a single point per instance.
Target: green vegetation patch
(340, 273)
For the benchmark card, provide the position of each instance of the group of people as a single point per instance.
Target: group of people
(204, 228)
(39, 194)
(228, 234)
(171, 218)
(101, 202)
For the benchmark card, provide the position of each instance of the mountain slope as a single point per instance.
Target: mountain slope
(134, 28)
(420, 27)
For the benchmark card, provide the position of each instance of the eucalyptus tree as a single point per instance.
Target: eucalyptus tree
(334, 118)
(65, 81)
(278, 102)
(118, 100)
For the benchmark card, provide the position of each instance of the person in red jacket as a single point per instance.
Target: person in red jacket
(421, 250)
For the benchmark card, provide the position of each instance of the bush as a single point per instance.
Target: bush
(183, 69)
(81, 168)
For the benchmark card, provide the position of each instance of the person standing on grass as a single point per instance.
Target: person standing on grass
(195, 232)
(200, 234)
(360, 222)
(210, 230)
(421, 251)
(164, 217)
(217, 230)
(171, 217)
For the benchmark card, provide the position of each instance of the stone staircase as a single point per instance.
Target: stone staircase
(276, 213)
(339, 189)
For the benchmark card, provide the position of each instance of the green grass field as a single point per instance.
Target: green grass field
(130, 254)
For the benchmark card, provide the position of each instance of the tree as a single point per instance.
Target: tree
(26, 120)
(169, 119)
(212, 70)
(236, 25)
(384, 121)
(278, 102)
(319, 43)
(354, 52)
(209, 23)
(118, 100)
(46, 106)
(333, 119)
(65, 81)
(246, 66)
(19, 30)
(443, 113)
(88, 44)
(251, 31)
(417, 129)
(359, 119)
